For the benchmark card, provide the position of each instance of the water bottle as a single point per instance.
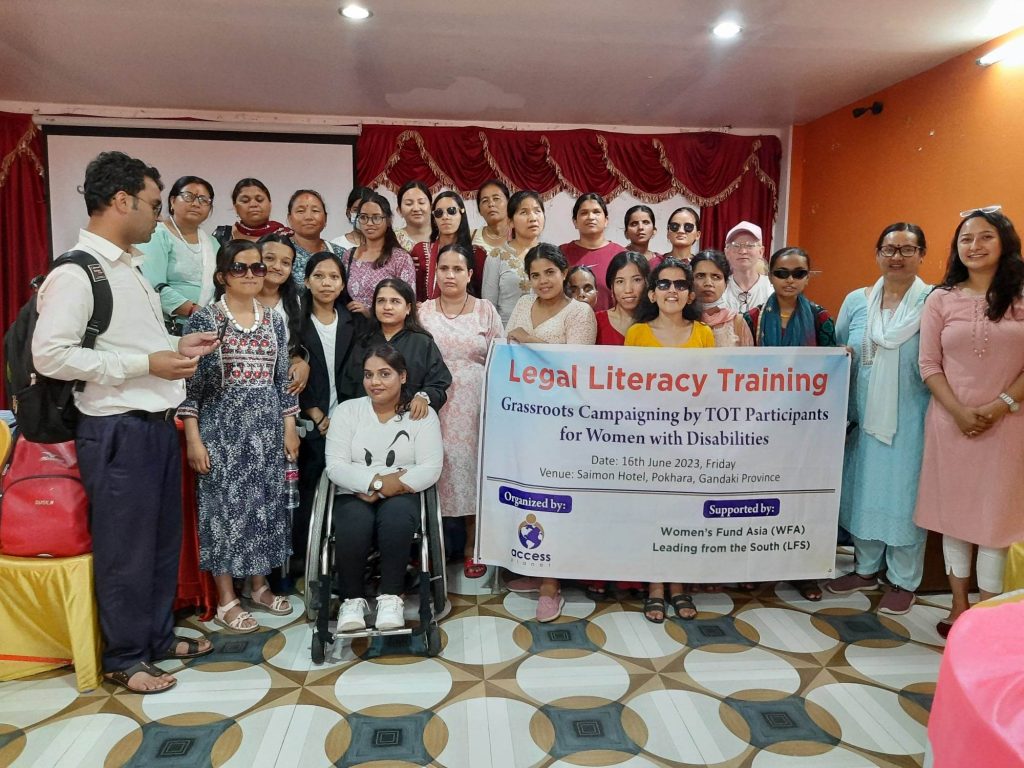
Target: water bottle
(291, 486)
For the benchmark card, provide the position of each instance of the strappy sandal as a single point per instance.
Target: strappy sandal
(121, 678)
(191, 644)
(237, 624)
(808, 589)
(471, 569)
(652, 605)
(683, 602)
(279, 606)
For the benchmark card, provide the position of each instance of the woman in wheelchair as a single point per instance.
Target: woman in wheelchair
(380, 459)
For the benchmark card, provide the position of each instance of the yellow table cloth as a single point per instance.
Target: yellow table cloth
(1013, 577)
(48, 618)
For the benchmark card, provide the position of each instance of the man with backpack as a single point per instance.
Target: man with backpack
(126, 438)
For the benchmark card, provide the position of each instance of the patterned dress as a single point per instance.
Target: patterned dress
(463, 342)
(363, 276)
(239, 396)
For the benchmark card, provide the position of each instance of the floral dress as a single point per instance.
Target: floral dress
(463, 341)
(239, 396)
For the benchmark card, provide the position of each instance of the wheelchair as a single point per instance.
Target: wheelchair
(320, 574)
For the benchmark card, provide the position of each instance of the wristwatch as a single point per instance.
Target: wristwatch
(424, 395)
(377, 484)
(1013, 404)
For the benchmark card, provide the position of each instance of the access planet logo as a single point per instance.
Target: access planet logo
(531, 533)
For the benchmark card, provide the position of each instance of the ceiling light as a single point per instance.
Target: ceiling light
(355, 12)
(726, 29)
(1011, 53)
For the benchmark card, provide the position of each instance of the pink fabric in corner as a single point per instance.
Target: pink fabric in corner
(977, 717)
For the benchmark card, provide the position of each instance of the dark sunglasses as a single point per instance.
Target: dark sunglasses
(679, 285)
(785, 274)
(451, 210)
(238, 269)
(675, 226)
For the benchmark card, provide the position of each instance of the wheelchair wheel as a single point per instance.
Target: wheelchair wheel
(433, 639)
(317, 649)
(435, 541)
(314, 547)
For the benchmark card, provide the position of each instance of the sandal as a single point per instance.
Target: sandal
(193, 650)
(654, 605)
(279, 606)
(683, 602)
(471, 569)
(121, 678)
(808, 589)
(597, 591)
(238, 624)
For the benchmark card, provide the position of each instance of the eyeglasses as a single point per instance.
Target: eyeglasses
(986, 209)
(238, 269)
(192, 197)
(785, 274)
(375, 218)
(686, 226)
(906, 251)
(742, 246)
(157, 206)
(451, 210)
(665, 285)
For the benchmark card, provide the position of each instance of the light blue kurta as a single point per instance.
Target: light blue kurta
(879, 480)
(169, 260)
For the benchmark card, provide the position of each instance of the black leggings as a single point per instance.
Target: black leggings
(393, 522)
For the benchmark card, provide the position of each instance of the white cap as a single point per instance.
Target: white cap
(744, 226)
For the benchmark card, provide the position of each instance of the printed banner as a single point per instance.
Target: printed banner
(639, 464)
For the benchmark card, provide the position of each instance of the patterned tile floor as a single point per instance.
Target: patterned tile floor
(766, 680)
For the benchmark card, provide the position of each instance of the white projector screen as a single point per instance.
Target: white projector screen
(284, 162)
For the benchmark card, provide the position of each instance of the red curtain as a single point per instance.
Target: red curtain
(24, 242)
(731, 178)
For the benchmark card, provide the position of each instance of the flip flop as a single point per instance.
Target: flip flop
(471, 569)
(808, 589)
(121, 678)
(193, 651)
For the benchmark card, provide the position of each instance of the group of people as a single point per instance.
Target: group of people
(363, 356)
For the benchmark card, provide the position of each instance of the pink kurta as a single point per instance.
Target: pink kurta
(463, 342)
(971, 488)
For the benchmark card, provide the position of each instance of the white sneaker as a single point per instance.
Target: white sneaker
(352, 615)
(390, 612)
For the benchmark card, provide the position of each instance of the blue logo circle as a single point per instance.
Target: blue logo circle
(531, 533)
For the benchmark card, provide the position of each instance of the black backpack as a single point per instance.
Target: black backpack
(45, 407)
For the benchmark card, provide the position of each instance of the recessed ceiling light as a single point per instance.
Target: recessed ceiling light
(726, 29)
(355, 12)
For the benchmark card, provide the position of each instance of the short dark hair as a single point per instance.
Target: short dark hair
(584, 198)
(1008, 280)
(638, 209)
(300, 192)
(620, 260)
(903, 226)
(545, 251)
(789, 250)
(178, 186)
(715, 257)
(226, 257)
(491, 183)
(408, 187)
(113, 172)
(248, 182)
(647, 310)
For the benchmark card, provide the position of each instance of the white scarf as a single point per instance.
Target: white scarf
(880, 417)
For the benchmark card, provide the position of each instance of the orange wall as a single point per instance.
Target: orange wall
(948, 139)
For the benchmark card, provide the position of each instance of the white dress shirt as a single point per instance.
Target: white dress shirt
(116, 372)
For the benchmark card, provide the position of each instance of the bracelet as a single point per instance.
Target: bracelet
(424, 395)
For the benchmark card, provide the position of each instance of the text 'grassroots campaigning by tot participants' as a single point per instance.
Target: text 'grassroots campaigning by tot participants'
(660, 464)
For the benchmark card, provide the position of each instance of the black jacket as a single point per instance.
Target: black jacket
(426, 369)
(317, 394)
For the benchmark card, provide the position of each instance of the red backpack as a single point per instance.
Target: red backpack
(44, 511)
